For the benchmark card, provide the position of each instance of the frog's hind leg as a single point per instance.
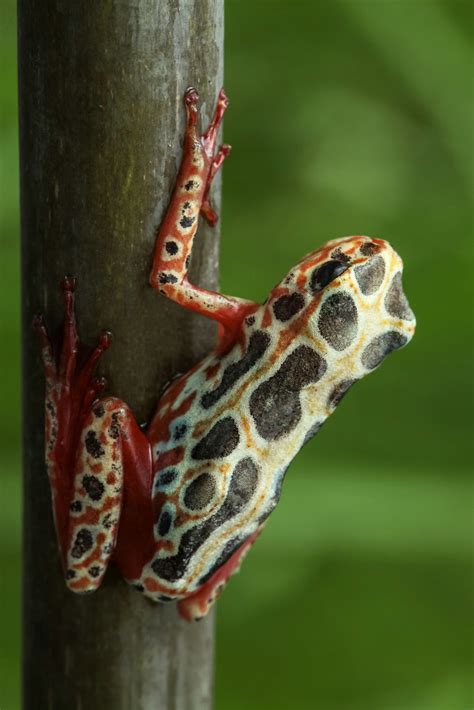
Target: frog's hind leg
(111, 448)
(87, 443)
(70, 391)
(175, 237)
(95, 500)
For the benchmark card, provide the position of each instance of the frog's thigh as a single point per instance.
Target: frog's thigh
(108, 435)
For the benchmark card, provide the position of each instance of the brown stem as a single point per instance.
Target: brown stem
(101, 122)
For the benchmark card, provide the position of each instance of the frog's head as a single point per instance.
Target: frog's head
(347, 297)
(360, 306)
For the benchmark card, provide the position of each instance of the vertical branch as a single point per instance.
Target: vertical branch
(101, 120)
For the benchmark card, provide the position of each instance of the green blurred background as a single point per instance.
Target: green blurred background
(359, 594)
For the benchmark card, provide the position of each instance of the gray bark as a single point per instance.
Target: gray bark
(101, 120)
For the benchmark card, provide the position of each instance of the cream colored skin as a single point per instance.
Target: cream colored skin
(316, 399)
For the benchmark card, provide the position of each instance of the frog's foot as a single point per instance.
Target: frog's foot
(197, 605)
(70, 391)
(207, 210)
(204, 146)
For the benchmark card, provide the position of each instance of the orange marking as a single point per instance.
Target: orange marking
(247, 430)
(151, 585)
(80, 583)
(169, 458)
(91, 516)
(212, 370)
(94, 556)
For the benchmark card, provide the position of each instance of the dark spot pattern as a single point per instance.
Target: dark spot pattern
(286, 307)
(93, 445)
(220, 441)
(200, 492)
(227, 551)
(179, 431)
(139, 587)
(171, 247)
(326, 273)
(114, 428)
(396, 302)
(241, 489)
(99, 410)
(76, 506)
(191, 185)
(339, 255)
(167, 278)
(187, 261)
(95, 571)
(108, 521)
(94, 487)
(258, 343)
(70, 574)
(339, 392)
(380, 347)
(369, 249)
(166, 477)
(250, 320)
(186, 221)
(370, 275)
(338, 320)
(275, 404)
(164, 523)
(82, 544)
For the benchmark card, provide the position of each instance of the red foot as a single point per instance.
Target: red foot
(208, 143)
(191, 96)
(70, 392)
(63, 371)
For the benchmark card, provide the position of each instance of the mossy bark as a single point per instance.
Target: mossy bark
(101, 120)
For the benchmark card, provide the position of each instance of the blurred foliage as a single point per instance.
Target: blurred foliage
(346, 117)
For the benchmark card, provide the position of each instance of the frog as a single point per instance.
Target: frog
(176, 505)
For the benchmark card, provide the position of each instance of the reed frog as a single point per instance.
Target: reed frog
(177, 506)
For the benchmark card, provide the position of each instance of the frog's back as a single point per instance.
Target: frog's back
(226, 432)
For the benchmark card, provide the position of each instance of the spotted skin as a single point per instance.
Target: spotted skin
(179, 505)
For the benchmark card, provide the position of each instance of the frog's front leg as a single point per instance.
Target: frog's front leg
(175, 237)
(89, 444)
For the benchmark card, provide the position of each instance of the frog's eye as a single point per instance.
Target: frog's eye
(326, 273)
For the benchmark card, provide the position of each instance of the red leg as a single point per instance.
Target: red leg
(69, 393)
(111, 497)
(176, 235)
(89, 444)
